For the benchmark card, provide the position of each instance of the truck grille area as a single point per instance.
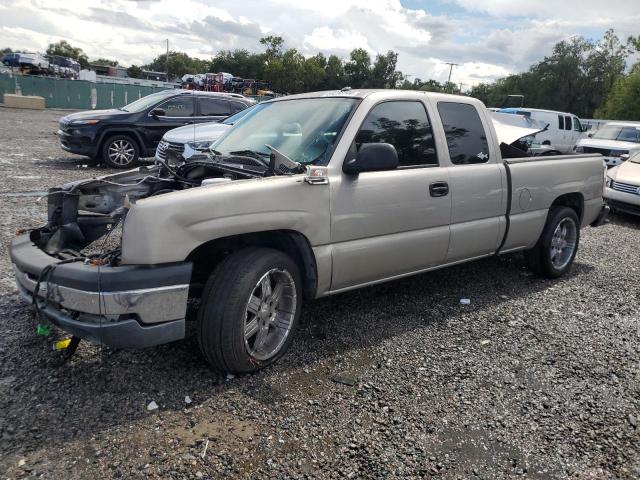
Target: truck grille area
(625, 187)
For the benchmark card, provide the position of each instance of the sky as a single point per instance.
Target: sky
(488, 39)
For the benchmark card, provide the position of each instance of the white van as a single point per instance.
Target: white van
(564, 129)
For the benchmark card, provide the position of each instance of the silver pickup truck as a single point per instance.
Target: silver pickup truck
(310, 195)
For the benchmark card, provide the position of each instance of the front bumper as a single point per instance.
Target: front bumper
(78, 144)
(120, 307)
(623, 201)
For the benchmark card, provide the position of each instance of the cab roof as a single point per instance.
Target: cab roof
(362, 93)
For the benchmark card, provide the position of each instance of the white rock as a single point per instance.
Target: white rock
(152, 406)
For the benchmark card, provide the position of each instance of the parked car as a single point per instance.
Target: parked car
(121, 136)
(563, 131)
(32, 62)
(183, 143)
(310, 195)
(622, 190)
(615, 141)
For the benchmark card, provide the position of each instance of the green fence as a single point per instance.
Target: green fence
(74, 94)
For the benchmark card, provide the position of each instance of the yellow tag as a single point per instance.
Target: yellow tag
(61, 344)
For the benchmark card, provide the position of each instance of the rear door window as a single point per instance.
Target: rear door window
(214, 107)
(560, 122)
(178, 107)
(567, 123)
(466, 138)
(406, 126)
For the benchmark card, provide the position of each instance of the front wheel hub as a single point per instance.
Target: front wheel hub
(269, 314)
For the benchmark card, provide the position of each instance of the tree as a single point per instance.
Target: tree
(623, 102)
(104, 61)
(274, 46)
(6, 50)
(384, 73)
(575, 78)
(358, 68)
(314, 73)
(334, 74)
(179, 64)
(241, 63)
(134, 71)
(64, 49)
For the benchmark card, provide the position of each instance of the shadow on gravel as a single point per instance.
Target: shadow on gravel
(98, 390)
(624, 220)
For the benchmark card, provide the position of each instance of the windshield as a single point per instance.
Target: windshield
(237, 116)
(616, 132)
(304, 129)
(146, 102)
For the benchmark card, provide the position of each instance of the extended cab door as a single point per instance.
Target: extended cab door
(389, 223)
(477, 182)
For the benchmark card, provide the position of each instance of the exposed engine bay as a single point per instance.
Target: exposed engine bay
(84, 216)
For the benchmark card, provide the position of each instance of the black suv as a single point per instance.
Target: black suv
(120, 137)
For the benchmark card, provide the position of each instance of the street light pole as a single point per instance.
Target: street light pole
(167, 59)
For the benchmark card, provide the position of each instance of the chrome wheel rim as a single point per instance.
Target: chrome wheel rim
(563, 243)
(269, 314)
(121, 152)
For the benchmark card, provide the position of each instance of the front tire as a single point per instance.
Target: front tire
(556, 248)
(249, 311)
(120, 151)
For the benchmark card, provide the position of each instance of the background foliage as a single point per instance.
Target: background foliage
(581, 76)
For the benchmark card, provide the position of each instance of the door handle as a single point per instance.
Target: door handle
(439, 189)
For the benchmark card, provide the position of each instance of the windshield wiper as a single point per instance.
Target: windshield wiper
(250, 153)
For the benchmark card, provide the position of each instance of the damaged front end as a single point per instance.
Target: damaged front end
(71, 269)
(84, 216)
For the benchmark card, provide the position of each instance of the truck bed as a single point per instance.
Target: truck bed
(536, 182)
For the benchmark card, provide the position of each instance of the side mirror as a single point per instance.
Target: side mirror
(590, 135)
(624, 157)
(372, 157)
(158, 112)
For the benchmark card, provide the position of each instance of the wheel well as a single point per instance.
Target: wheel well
(208, 255)
(572, 200)
(134, 136)
(546, 142)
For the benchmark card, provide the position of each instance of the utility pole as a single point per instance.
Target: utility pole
(167, 59)
(451, 65)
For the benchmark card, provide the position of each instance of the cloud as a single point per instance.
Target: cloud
(488, 38)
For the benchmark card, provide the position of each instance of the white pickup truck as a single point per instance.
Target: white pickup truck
(310, 195)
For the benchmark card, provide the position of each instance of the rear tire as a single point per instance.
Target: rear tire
(553, 254)
(246, 322)
(120, 151)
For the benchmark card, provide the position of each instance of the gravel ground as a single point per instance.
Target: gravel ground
(535, 378)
